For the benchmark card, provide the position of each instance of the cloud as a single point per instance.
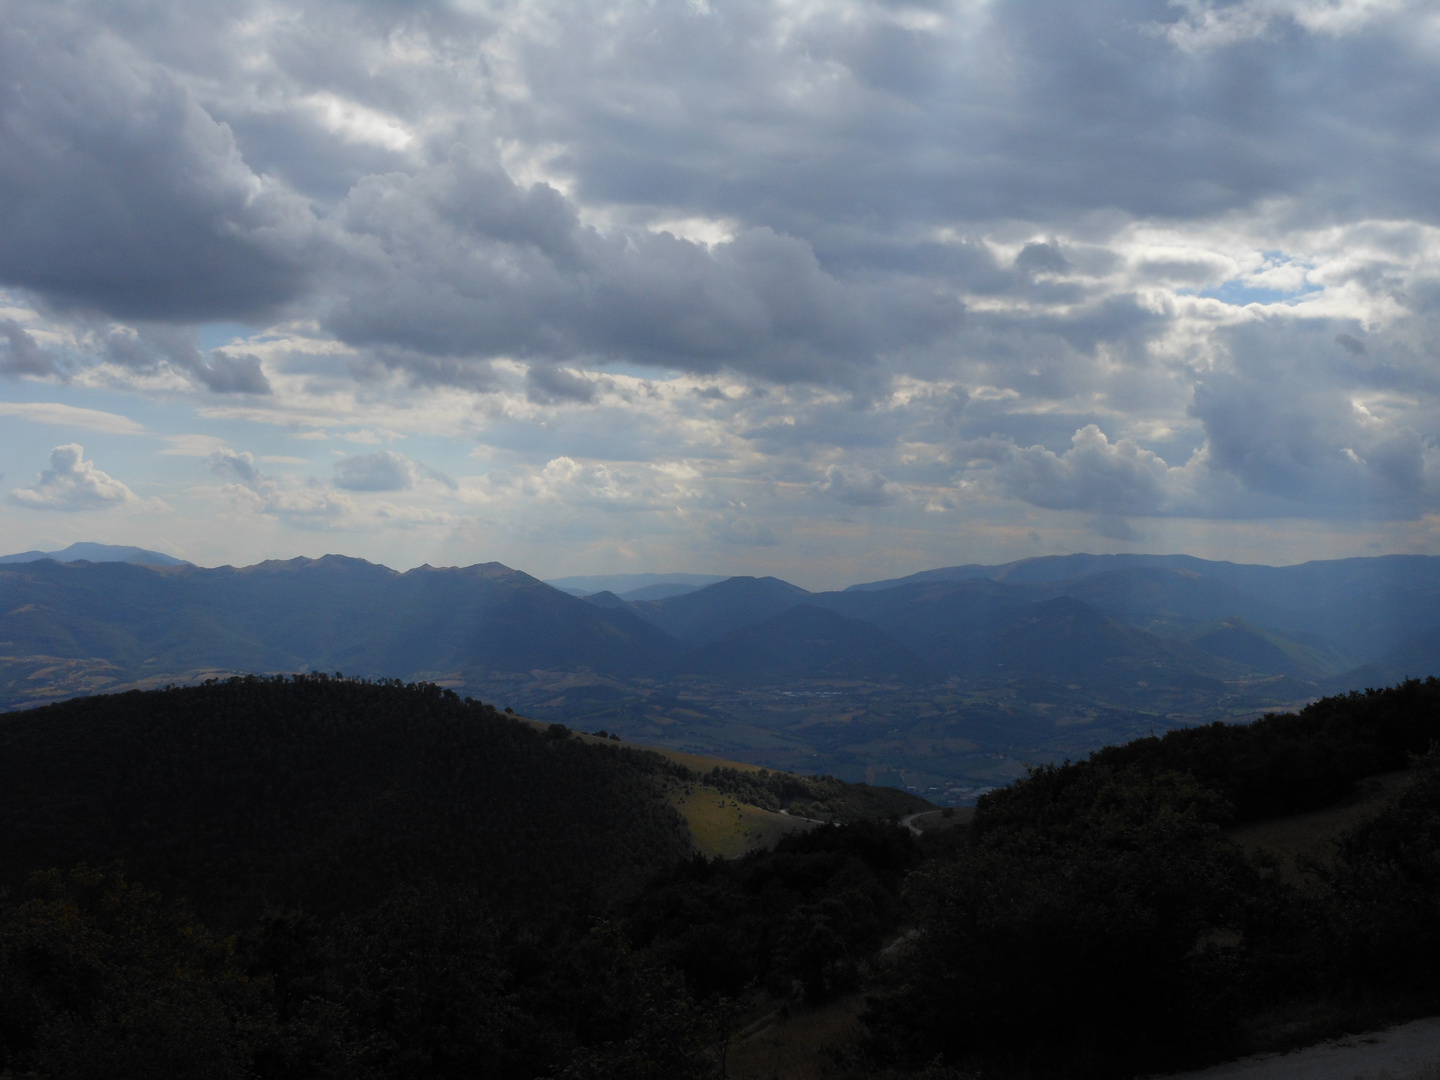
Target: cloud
(1351, 344)
(309, 506)
(1112, 479)
(54, 412)
(463, 262)
(858, 487)
(549, 385)
(730, 531)
(237, 465)
(71, 484)
(384, 470)
(123, 194)
(226, 374)
(21, 355)
(1312, 446)
(1111, 260)
(152, 347)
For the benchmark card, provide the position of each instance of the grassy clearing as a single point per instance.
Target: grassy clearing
(722, 826)
(700, 763)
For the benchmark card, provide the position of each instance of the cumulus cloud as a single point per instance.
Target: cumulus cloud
(235, 465)
(384, 470)
(72, 483)
(309, 505)
(858, 487)
(1117, 479)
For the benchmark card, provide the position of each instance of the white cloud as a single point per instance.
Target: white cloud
(72, 483)
(54, 412)
(1094, 474)
(384, 470)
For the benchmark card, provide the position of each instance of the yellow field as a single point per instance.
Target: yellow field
(722, 826)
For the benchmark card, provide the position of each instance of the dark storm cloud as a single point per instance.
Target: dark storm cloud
(1033, 111)
(20, 355)
(121, 194)
(545, 384)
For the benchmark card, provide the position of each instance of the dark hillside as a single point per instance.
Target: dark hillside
(1097, 921)
(323, 793)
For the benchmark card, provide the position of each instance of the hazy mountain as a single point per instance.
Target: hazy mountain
(1065, 640)
(1165, 597)
(1263, 650)
(1039, 570)
(945, 622)
(1357, 609)
(606, 599)
(98, 553)
(806, 642)
(328, 614)
(620, 584)
(1417, 658)
(660, 591)
(710, 613)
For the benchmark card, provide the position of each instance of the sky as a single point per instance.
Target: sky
(825, 289)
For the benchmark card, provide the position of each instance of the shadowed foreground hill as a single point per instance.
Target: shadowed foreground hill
(323, 793)
(328, 793)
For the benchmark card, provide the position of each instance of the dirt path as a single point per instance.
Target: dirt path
(1408, 1052)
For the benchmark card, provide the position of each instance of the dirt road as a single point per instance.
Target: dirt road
(1408, 1052)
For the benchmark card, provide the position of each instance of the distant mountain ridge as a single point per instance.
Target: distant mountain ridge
(98, 553)
(1113, 623)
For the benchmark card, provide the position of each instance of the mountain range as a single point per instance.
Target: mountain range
(1019, 659)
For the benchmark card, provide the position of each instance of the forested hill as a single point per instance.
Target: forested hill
(328, 792)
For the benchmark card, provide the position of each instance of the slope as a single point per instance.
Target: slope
(324, 793)
(708, 614)
(331, 613)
